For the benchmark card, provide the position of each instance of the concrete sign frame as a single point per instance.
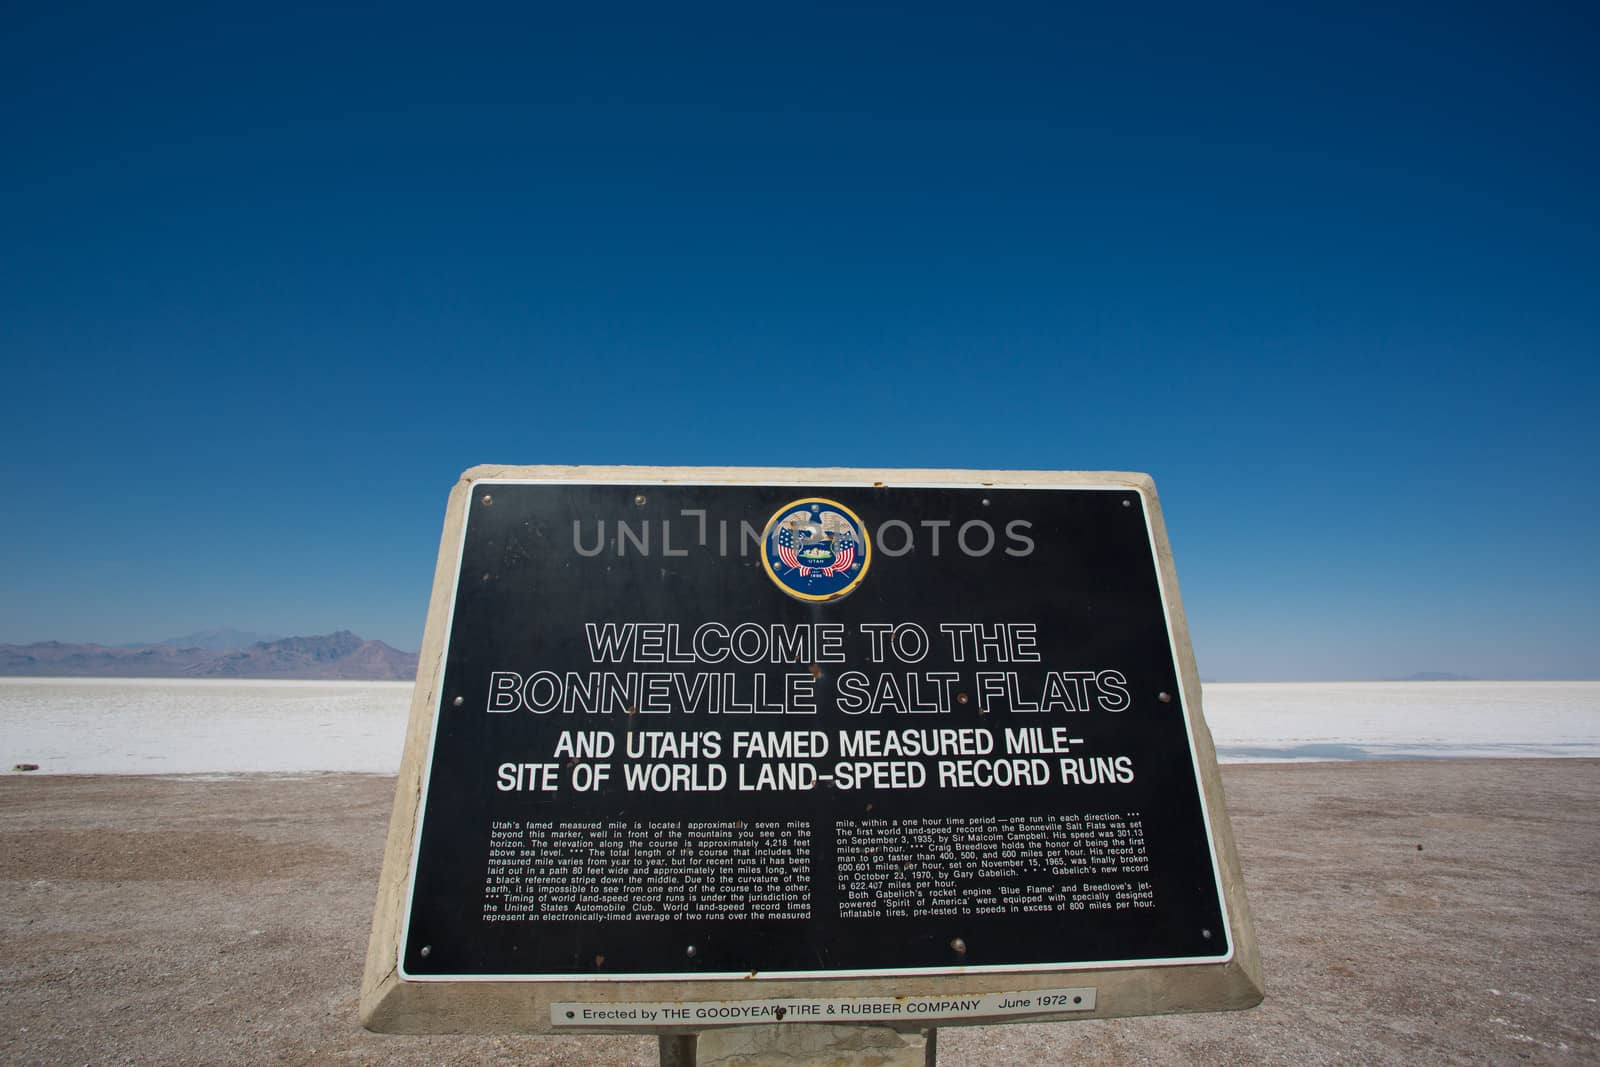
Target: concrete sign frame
(416, 995)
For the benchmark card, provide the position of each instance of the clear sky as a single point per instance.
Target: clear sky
(271, 277)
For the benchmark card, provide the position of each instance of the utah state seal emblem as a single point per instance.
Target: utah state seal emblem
(816, 549)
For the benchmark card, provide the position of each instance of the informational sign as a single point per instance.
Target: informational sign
(701, 727)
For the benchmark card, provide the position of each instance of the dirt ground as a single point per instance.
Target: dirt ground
(1421, 912)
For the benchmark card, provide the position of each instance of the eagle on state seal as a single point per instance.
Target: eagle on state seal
(825, 542)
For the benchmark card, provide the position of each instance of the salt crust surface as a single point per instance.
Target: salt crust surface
(224, 727)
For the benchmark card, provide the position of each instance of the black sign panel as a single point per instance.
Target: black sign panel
(714, 730)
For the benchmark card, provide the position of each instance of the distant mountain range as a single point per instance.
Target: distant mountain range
(340, 655)
(241, 654)
(216, 640)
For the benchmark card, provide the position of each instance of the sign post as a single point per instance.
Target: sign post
(695, 748)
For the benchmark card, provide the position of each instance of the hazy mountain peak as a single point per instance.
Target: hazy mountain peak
(219, 640)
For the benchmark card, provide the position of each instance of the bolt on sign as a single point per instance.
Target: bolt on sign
(700, 747)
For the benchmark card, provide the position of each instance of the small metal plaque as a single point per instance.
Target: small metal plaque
(701, 731)
(838, 1011)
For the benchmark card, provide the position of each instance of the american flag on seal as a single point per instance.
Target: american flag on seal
(791, 543)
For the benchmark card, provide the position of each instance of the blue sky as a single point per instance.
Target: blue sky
(271, 277)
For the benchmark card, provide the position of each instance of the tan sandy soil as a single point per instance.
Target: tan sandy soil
(1428, 912)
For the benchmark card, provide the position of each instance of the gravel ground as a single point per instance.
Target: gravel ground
(1416, 912)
